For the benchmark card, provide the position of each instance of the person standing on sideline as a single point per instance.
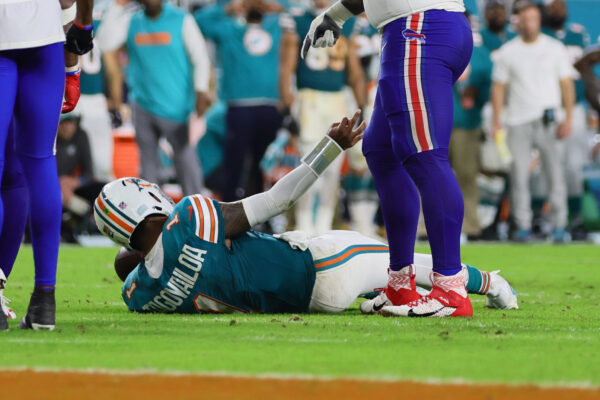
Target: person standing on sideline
(496, 31)
(168, 77)
(576, 40)
(535, 72)
(471, 93)
(93, 109)
(247, 35)
(320, 80)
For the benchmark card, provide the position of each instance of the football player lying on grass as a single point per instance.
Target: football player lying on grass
(201, 256)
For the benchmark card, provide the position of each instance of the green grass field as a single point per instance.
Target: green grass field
(553, 338)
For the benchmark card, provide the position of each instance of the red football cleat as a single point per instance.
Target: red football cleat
(448, 298)
(401, 290)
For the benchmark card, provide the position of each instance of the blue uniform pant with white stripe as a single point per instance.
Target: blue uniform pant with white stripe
(406, 142)
(32, 84)
(14, 196)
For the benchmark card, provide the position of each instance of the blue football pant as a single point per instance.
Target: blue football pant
(406, 143)
(32, 82)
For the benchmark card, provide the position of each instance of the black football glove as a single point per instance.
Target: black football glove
(80, 39)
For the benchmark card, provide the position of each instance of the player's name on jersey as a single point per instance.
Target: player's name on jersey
(182, 281)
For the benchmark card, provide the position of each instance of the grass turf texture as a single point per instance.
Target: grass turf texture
(553, 338)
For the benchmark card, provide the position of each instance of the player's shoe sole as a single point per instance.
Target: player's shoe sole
(41, 311)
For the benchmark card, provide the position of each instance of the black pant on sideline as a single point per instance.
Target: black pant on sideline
(250, 129)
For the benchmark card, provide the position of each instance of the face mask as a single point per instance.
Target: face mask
(555, 22)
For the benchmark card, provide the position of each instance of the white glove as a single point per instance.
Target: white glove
(326, 28)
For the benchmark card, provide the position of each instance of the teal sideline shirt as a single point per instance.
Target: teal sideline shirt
(493, 41)
(480, 78)
(160, 73)
(198, 273)
(92, 69)
(248, 54)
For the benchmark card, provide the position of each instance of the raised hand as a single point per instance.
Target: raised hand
(345, 134)
(323, 32)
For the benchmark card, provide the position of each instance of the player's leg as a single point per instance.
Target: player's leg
(400, 206)
(146, 137)
(436, 48)
(311, 131)
(499, 293)
(185, 157)
(519, 140)
(37, 110)
(15, 197)
(551, 149)
(265, 125)
(332, 105)
(348, 264)
(576, 147)
(237, 144)
(8, 83)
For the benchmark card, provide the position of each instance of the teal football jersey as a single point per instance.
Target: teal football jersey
(480, 78)
(323, 68)
(576, 39)
(192, 270)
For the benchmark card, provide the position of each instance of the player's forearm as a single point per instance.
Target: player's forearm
(195, 47)
(71, 60)
(115, 78)
(289, 62)
(281, 197)
(356, 77)
(497, 101)
(567, 88)
(84, 12)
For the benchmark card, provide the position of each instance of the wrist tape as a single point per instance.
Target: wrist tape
(322, 155)
(339, 13)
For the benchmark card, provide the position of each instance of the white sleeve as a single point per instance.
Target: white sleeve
(281, 197)
(195, 47)
(112, 32)
(565, 68)
(501, 69)
(68, 14)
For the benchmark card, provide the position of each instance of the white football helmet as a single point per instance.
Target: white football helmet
(124, 203)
